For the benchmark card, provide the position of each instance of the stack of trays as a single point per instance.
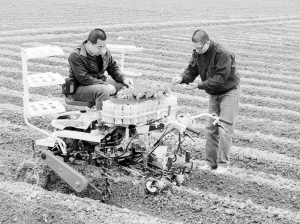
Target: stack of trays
(136, 112)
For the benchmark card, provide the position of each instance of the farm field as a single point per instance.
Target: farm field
(263, 183)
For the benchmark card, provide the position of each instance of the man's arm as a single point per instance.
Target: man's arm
(191, 72)
(114, 70)
(221, 72)
(80, 72)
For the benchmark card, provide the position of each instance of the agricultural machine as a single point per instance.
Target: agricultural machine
(132, 137)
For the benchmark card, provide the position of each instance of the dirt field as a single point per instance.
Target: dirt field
(262, 185)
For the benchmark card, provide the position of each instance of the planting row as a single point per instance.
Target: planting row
(160, 66)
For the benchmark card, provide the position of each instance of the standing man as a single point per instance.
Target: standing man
(220, 79)
(88, 62)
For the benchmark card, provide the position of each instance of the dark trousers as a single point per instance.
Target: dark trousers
(218, 141)
(96, 93)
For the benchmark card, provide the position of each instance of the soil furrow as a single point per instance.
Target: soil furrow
(247, 110)
(46, 207)
(149, 60)
(264, 134)
(63, 62)
(263, 182)
(200, 192)
(155, 26)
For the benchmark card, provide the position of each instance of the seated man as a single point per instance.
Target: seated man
(88, 63)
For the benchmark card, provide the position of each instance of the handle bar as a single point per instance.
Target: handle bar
(214, 116)
(183, 127)
(225, 121)
(193, 130)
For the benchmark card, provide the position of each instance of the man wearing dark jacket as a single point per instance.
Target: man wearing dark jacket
(220, 79)
(88, 63)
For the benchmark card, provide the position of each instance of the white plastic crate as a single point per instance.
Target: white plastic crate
(135, 112)
(139, 119)
(45, 107)
(43, 51)
(45, 79)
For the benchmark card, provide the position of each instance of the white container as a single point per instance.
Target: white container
(126, 121)
(134, 121)
(134, 114)
(110, 107)
(139, 108)
(149, 117)
(110, 120)
(144, 107)
(154, 105)
(140, 120)
(126, 110)
(148, 105)
(118, 110)
(158, 114)
(134, 110)
(154, 116)
(171, 100)
(105, 106)
(118, 121)
(162, 105)
(144, 119)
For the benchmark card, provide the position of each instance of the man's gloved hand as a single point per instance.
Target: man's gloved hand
(193, 85)
(128, 82)
(112, 89)
(177, 80)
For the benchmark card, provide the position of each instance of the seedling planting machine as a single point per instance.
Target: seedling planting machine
(140, 135)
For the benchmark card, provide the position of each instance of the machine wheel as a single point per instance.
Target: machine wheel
(150, 186)
(33, 172)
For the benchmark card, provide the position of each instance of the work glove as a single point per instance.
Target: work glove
(176, 80)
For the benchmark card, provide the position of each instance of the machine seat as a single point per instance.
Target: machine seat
(70, 101)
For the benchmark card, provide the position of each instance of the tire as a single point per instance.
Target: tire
(149, 188)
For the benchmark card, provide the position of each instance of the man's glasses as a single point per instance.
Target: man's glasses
(197, 49)
(101, 47)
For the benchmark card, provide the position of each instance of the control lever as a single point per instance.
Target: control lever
(217, 119)
(221, 126)
(187, 134)
(193, 130)
(169, 110)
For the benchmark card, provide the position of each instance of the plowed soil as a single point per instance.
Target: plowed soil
(262, 184)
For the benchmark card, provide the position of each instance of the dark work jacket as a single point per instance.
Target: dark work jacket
(89, 70)
(217, 69)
